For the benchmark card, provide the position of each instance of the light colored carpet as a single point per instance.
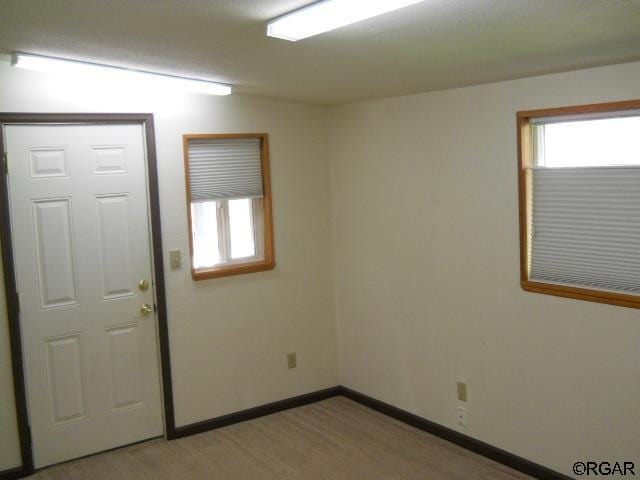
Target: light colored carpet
(335, 439)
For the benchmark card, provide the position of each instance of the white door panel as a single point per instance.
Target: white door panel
(80, 224)
(55, 253)
(66, 386)
(114, 246)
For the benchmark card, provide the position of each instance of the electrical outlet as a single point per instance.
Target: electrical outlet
(292, 360)
(175, 258)
(462, 416)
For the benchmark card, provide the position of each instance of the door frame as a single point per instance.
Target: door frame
(11, 293)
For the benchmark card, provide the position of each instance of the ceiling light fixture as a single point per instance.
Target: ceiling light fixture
(328, 15)
(107, 72)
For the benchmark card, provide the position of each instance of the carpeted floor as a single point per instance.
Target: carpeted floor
(335, 439)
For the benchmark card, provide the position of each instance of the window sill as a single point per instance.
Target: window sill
(620, 299)
(227, 270)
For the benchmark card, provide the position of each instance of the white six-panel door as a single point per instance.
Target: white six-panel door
(81, 239)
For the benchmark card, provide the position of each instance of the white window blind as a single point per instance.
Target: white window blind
(224, 168)
(586, 227)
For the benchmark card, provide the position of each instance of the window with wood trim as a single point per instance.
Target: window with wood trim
(229, 204)
(579, 184)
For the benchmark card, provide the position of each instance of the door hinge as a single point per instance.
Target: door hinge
(5, 162)
(29, 437)
(18, 301)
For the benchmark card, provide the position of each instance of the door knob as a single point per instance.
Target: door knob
(143, 285)
(146, 309)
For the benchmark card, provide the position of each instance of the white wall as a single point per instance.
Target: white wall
(229, 337)
(427, 280)
(425, 250)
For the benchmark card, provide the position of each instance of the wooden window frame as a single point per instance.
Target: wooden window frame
(238, 268)
(525, 160)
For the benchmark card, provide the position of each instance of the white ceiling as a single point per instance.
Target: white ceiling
(433, 45)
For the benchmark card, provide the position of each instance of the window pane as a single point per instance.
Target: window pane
(204, 217)
(241, 228)
(611, 141)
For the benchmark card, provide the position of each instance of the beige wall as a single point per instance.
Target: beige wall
(427, 279)
(9, 444)
(229, 337)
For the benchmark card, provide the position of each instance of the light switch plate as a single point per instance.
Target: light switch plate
(292, 360)
(462, 391)
(175, 258)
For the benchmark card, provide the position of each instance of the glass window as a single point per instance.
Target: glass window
(229, 204)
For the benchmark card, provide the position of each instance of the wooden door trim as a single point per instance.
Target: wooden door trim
(11, 292)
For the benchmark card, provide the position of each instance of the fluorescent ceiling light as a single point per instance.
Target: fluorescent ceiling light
(90, 71)
(328, 15)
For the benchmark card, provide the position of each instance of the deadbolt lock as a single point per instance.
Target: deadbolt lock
(146, 309)
(143, 285)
